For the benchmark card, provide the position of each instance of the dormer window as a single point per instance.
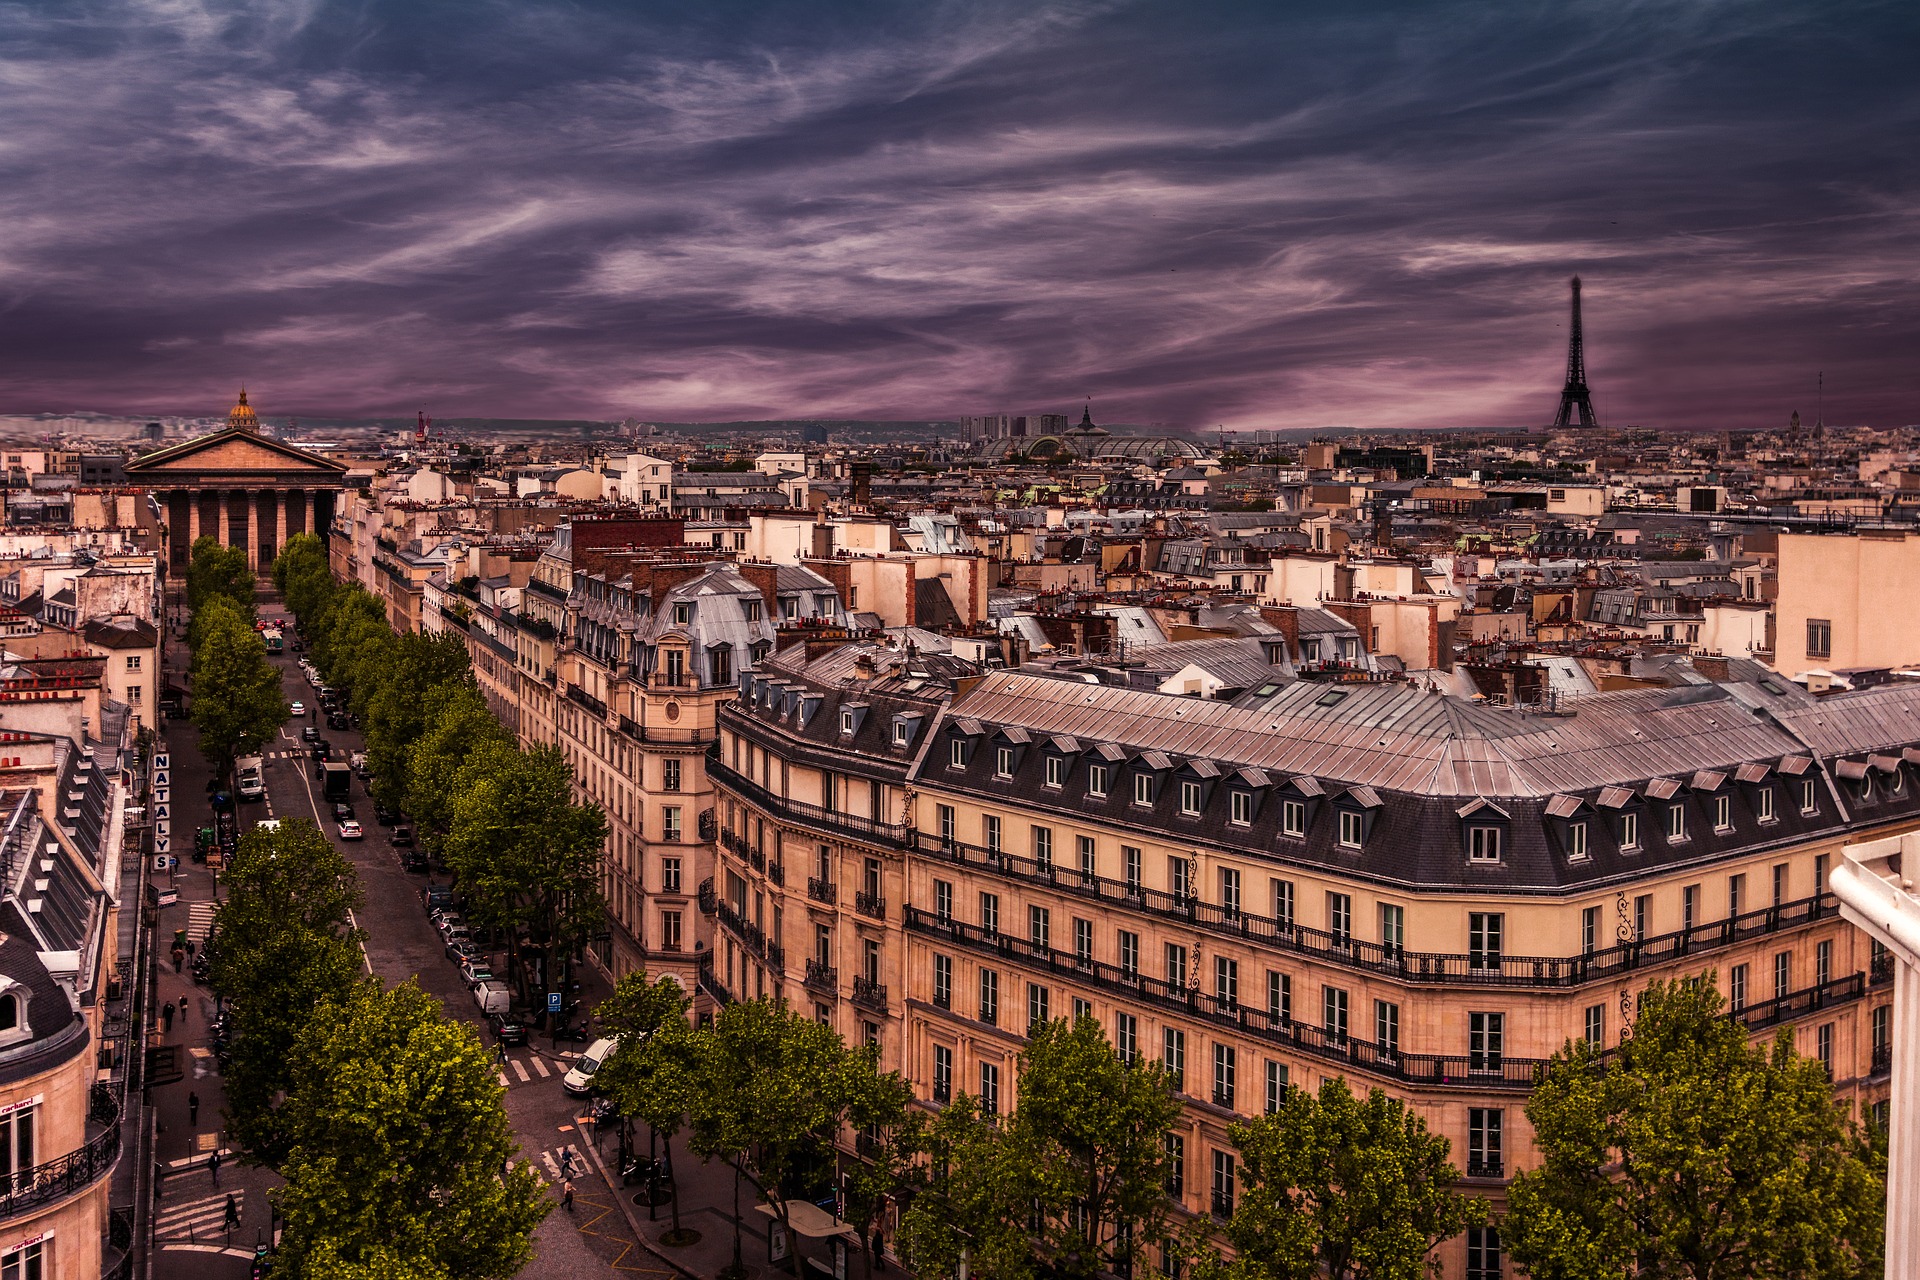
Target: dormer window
(1353, 832)
(846, 728)
(1097, 781)
(9, 1012)
(1723, 813)
(752, 608)
(1577, 841)
(1483, 844)
(957, 753)
(790, 608)
(1293, 818)
(1242, 808)
(1763, 804)
(901, 733)
(1143, 788)
(1676, 823)
(1056, 771)
(1003, 762)
(682, 614)
(1190, 799)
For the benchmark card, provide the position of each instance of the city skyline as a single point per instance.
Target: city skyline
(1194, 215)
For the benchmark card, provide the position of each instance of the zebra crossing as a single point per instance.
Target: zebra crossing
(196, 1220)
(200, 921)
(521, 1074)
(562, 1162)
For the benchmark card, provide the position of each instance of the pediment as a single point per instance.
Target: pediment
(231, 452)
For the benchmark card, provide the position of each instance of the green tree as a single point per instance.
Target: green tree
(1343, 1187)
(646, 1076)
(461, 729)
(353, 620)
(979, 1186)
(401, 1152)
(214, 570)
(285, 945)
(1689, 1152)
(237, 705)
(1102, 1122)
(527, 857)
(889, 1149)
(396, 705)
(304, 578)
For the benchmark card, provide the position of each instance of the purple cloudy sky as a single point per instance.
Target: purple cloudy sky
(1261, 215)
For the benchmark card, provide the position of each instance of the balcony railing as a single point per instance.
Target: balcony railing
(750, 934)
(1468, 968)
(1771, 1013)
(707, 982)
(708, 899)
(870, 994)
(821, 890)
(1882, 1059)
(776, 873)
(666, 733)
(45, 1184)
(823, 978)
(806, 814)
(870, 904)
(1880, 967)
(1486, 1168)
(578, 695)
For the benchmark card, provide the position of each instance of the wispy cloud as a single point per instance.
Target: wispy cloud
(1217, 213)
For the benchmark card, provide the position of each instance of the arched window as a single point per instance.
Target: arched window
(9, 1012)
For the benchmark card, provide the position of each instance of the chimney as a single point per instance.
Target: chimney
(863, 667)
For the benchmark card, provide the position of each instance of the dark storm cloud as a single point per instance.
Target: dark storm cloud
(1255, 215)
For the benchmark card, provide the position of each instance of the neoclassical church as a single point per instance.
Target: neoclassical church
(246, 489)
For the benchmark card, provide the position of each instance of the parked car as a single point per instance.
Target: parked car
(493, 998)
(386, 817)
(337, 721)
(352, 830)
(475, 970)
(462, 950)
(342, 811)
(580, 1079)
(436, 897)
(506, 1028)
(402, 838)
(415, 861)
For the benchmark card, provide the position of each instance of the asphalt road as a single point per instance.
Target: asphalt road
(401, 944)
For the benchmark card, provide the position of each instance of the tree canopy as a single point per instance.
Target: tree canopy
(214, 570)
(237, 704)
(1689, 1152)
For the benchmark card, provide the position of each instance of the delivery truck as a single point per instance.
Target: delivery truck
(338, 783)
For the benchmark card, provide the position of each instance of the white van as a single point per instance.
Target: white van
(250, 777)
(580, 1079)
(492, 997)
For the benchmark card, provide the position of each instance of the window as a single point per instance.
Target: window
(1483, 844)
(1576, 842)
(1276, 1084)
(1130, 863)
(1225, 1069)
(1176, 1164)
(1819, 638)
(1190, 799)
(1484, 1125)
(1596, 1025)
(721, 660)
(989, 997)
(1723, 813)
(1039, 1005)
(990, 913)
(1642, 916)
(1823, 963)
(1279, 996)
(947, 824)
(1097, 780)
(943, 900)
(943, 982)
(956, 753)
(901, 732)
(1223, 1171)
(1485, 1034)
(133, 662)
(1393, 929)
(846, 726)
(1143, 788)
(28, 1262)
(1003, 762)
(1333, 1013)
(682, 614)
(1230, 891)
(1352, 829)
(1882, 1035)
(990, 831)
(1242, 808)
(1083, 941)
(1173, 1056)
(1293, 817)
(1809, 797)
(1126, 1035)
(1483, 1253)
(1176, 958)
(1819, 873)
(942, 1074)
(1737, 987)
(1629, 831)
(1689, 906)
(1226, 981)
(1589, 930)
(1089, 863)
(1782, 974)
(1180, 877)
(670, 823)
(1056, 771)
(1676, 822)
(1043, 847)
(1823, 1046)
(1340, 918)
(1040, 928)
(990, 1088)
(670, 931)
(1386, 1026)
(18, 1148)
(1486, 932)
(1736, 895)
(1283, 903)
(1129, 953)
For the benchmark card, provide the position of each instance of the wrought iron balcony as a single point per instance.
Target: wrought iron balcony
(806, 814)
(776, 873)
(821, 890)
(870, 994)
(26, 1190)
(1486, 1168)
(870, 904)
(1882, 1059)
(823, 978)
(708, 900)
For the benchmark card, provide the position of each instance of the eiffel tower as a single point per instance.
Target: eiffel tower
(1575, 398)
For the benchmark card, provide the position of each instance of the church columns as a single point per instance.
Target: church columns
(296, 512)
(266, 505)
(193, 520)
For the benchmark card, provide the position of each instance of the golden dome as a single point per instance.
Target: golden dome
(242, 417)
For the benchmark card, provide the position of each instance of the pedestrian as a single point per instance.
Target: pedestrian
(213, 1163)
(166, 1019)
(233, 1213)
(159, 1180)
(193, 1110)
(183, 1009)
(189, 948)
(566, 1194)
(179, 958)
